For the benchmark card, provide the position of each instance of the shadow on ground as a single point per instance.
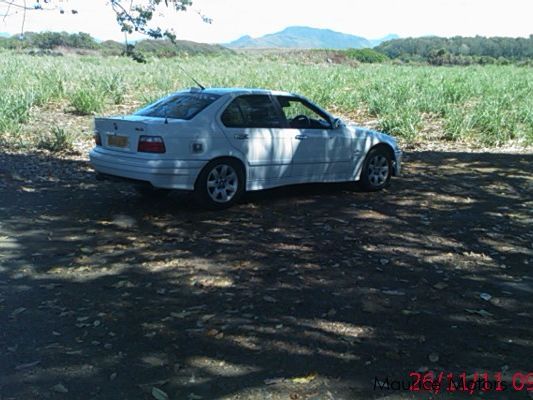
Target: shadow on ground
(304, 292)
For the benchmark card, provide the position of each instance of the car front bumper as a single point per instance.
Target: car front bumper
(161, 173)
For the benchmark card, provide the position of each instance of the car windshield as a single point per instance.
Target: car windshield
(179, 106)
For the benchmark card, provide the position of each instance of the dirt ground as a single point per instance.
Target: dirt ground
(307, 292)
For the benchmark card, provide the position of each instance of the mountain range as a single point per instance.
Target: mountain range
(300, 37)
(304, 37)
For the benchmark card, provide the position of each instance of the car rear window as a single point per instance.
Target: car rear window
(180, 106)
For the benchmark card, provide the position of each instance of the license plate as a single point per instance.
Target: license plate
(117, 141)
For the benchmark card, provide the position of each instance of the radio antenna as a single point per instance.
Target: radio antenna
(191, 77)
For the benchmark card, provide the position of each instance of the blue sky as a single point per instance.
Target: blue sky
(234, 18)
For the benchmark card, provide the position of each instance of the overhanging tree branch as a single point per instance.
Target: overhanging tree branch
(139, 14)
(131, 15)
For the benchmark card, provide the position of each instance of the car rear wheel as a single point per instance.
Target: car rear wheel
(377, 169)
(220, 184)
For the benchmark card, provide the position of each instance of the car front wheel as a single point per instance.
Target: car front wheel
(220, 184)
(377, 169)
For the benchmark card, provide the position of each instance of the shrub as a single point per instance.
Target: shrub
(15, 111)
(58, 139)
(114, 87)
(366, 55)
(87, 101)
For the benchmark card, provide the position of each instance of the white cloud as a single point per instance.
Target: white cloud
(369, 18)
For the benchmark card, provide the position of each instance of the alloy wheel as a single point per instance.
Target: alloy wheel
(378, 170)
(222, 183)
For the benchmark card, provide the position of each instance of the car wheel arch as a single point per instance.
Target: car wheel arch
(222, 158)
(387, 147)
(371, 174)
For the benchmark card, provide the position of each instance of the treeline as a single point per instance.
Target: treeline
(459, 50)
(52, 41)
(49, 41)
(433, 50)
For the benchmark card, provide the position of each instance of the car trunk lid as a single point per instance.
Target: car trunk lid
(122, 133)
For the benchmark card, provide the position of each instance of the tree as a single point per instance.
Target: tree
(458, 49)
(366, 55)
(135, 16)
(132, 15)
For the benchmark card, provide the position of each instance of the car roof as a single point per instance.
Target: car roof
(240, 91)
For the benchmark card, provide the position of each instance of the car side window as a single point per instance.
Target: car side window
(301, 115)
(251, 111)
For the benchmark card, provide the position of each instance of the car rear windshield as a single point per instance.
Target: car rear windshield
(179, 106)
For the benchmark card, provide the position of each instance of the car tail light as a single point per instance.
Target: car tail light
(151, 144)
(97, 139)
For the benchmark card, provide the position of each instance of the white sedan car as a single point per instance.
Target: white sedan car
(220, 143)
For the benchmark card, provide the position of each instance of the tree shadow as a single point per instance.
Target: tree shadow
(310, 291)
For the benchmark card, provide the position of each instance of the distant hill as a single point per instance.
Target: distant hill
(4, 34)
(83, 41)
(303, 37)
(164, 48)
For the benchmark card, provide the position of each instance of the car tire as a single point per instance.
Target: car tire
(377, 169)
(150, 192)
(220, 184)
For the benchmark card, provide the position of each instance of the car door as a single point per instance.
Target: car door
(342, 143)
(254, 126)
(320, 150)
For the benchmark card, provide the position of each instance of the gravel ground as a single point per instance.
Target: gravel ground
(307, 292)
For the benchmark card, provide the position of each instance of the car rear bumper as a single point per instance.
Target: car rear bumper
(161, 173)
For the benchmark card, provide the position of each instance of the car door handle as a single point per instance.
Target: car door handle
(301, 137)
(241, 136)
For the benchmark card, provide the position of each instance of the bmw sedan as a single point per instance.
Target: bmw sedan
(220, 143)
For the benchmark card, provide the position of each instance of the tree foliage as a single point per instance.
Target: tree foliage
(459, 50)
(366, 55)
(132, 15)
(53, 43)
(50, 40)
(136, 16)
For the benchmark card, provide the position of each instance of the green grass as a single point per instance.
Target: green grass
(490, 105)
(57, 140)
(87, 100)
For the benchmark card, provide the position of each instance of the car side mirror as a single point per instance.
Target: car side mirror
(337, 122)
